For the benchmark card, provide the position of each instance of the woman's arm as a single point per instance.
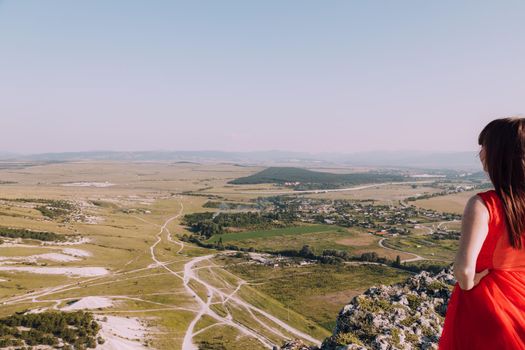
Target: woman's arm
(474, 229)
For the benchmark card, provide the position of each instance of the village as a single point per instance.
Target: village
(378, 219)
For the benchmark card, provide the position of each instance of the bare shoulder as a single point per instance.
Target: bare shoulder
(476, 207)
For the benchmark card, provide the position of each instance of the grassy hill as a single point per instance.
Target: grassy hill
(313, 179)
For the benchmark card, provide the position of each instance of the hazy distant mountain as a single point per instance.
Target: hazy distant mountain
(165, 156)
(6, 155)
(462, 160)
(413, 159)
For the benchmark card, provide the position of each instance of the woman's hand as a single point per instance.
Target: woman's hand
(478, 276)
(476, 279)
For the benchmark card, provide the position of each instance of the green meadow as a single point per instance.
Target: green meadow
(324, 289)
(295, 230)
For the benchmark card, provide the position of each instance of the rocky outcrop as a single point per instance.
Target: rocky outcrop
(296, 345)
(408, 315)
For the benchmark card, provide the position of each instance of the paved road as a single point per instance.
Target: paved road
(356, 188)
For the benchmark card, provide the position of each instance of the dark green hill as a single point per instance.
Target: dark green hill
(309, 179)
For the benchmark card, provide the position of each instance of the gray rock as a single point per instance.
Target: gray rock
(407, 315)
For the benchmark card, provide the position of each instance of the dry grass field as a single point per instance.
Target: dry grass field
(124, 260)
(454, 203)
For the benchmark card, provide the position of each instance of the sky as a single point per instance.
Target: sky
(298, 75)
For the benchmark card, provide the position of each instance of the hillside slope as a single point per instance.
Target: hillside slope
(281, 175)
(407, 315)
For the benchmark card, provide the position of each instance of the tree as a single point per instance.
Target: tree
(306, 252)
(397, 263)
(369, 256)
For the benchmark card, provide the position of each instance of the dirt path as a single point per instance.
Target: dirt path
(423, 227)
(204, 304)
(415, 258)
(447, 222)
(159, 239)
(190, 273)
(268, 323)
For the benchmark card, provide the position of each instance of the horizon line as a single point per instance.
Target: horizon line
(14, 153)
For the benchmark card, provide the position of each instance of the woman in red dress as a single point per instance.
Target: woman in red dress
(486, 310)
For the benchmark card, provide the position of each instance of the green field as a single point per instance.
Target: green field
(319, 237)
(324, 289)
(295, 230)
(444, 249)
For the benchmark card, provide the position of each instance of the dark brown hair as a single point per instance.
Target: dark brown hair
(503, 141)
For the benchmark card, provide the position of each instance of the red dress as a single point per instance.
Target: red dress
(491, 315)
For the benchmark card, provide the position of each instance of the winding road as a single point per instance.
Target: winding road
(415, 258)
(190, 272)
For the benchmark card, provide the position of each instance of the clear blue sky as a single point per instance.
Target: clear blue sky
(341, 76)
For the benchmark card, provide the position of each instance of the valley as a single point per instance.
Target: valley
(171, 255)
